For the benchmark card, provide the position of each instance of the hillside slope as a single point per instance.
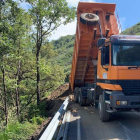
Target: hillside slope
(64, 47)
(134, 30)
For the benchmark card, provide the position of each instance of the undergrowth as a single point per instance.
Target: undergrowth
(23, 127)
(18, 131)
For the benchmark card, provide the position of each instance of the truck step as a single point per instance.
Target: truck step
(111, 111)
(108, 102)
(108, 92)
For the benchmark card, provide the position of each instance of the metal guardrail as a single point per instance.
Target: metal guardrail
(52, 127)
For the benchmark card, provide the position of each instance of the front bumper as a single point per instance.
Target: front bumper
(133, 101)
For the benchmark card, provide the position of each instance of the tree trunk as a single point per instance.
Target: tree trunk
(0, 8)
(38, 47)
(17, 98)
(18, 82)
(5, 96)
(38, 76)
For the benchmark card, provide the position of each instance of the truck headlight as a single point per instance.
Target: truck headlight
(121, 102)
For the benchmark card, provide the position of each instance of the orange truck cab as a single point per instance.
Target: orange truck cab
(106, 66)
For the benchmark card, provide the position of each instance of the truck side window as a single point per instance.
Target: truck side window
(107, 56)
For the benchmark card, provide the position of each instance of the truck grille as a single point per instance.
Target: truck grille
(130, 87)
(135, 103)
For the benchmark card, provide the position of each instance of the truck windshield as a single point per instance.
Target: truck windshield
(126, 54)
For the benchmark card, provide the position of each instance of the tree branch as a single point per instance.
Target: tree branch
(2, 108)
(2, 97)
(26, 77)
(29, 101)
(26, 71)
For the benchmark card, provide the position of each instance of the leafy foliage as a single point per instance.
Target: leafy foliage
(64, 47)
(18, 131)
(27, 69)
(134, 30)
(47, 16)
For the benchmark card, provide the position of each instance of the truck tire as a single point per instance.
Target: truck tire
(102, 107)
(95, 75)
(81, 100)
(96, 98)
(89, 19)
(88, 101)
(76, 90)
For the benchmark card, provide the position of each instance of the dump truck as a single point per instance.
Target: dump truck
(105, 68)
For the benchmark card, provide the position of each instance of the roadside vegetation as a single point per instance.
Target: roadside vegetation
(31, 67)
(28, 73)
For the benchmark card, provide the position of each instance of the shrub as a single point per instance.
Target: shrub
(37, 120)
(18, 131)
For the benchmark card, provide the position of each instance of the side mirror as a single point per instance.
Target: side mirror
(103, 50)
(101, 42)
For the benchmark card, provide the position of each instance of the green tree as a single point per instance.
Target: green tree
(5, 47)
(20, 21)
(47, 16)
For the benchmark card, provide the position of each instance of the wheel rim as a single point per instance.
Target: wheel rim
(90, 16)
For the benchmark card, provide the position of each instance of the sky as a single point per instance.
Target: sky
(128, 11)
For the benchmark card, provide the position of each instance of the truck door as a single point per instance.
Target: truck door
(104, 63)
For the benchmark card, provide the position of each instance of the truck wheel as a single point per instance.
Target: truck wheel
(76, 90)
(89, 19)
(81, 100)
(95, 101)
(88, 101)
(102, 107)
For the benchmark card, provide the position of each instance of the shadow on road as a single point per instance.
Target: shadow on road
(122, 126)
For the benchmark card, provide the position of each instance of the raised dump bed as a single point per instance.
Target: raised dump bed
(94, 20)
(106, 66)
